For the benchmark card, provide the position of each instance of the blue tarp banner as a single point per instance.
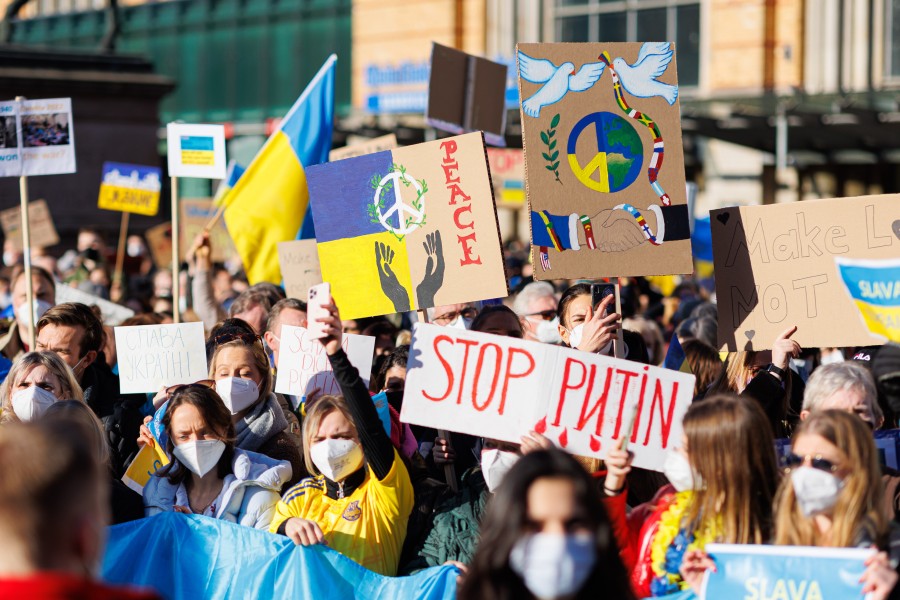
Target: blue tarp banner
(192, 557)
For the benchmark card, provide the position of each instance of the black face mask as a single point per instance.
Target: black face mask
(395, 399)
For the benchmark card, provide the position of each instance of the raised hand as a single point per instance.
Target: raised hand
(784, 348)
(694, 564)
(618, 466)
(599, 330)
(390, 285)
(434, 270)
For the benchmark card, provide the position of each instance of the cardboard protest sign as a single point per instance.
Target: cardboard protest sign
(776, 267)
(130, 188)
(789, 572)
(385, 142)
(499, 387)
(196, 150)
(43, 232)
(604, 166)
(304, 367)
(874, 286)
(196, 213)
(152, 356)
(147, 462)
(410, 228)
(300, 269)
(37, 137)
(467, 93)
(159, 240)
(508, 176)
(112, 313)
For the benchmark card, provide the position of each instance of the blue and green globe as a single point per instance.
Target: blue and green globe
(619, 152)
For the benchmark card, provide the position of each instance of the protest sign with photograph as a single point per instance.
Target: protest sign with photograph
(379, 144)
(303, 365)
(757, 572)
(37, 137)
(780, 265)
(196, 214)
(299, 260)
(112, 313)
(604, 165)
(410, 228)
(153, 356)
(130, 188)
(500, 387)
(467, 93)
(43, 232)
(196, 150)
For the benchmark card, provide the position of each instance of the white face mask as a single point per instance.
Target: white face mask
(201, 456)
(460, 323)
(237, 393)
(32, 402)
(548, 331)
(816, 490)
(835, 356)
(40, 307)
(336, 459)
(495, 464)
(575, 335)
(553, 565)
(678, 471)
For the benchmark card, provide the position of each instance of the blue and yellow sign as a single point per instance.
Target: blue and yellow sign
(874, 286)
(130, 188)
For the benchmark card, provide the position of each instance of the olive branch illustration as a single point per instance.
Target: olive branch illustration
(552, 154)
(377, 208)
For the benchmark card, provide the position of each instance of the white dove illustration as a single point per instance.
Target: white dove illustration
(639, 79)
(559, 80)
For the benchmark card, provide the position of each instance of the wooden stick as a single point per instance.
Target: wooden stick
(120, 253)
(450, 468)
(212, 222)
(176, 255)
(619, 342)
(26, 253)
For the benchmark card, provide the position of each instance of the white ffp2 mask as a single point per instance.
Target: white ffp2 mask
(201, 456)
(237, 393)
(495, 464)
(553, 565)
(336, 459)
(32, 402)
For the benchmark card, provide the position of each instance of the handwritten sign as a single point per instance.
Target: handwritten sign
(303, 365)
(151, 356)
(385, 142)
(43, 232)
(196, 151)
(775, 268)
(112, 313)
(196, 213)
(36, 137)
(499, 387)
(147, 462)
(130, 188)
(300, 269)
(789, 572)
(414, 227)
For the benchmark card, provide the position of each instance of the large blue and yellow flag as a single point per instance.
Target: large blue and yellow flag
(232, 174)
(270, 201)
(874, 286)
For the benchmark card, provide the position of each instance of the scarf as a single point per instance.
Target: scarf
(265, 420)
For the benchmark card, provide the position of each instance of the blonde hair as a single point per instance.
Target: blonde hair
(730, 445)
(260, 361)
(316, 411)
(859, 505)
(25, 365)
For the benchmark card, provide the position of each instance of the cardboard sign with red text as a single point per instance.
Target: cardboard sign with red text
(304, 367)
(499, 387)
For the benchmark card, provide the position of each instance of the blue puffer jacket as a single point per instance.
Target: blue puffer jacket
(248, 497)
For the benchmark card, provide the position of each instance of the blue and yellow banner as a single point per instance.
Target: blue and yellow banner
(676, 358)
(130, 188)
(874, 286)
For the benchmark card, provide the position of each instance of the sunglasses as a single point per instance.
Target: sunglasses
(792, 461)
(466, 313)
(232, 336)
(203, 383)
(546, 315)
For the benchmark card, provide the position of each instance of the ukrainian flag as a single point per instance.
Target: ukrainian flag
(270, 201)
(232, 175)
(676, 358)
(874, 286)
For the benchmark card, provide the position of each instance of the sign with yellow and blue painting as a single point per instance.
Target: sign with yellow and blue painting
(409, 228)
(604, 166)
(130, 188)
(874, 286)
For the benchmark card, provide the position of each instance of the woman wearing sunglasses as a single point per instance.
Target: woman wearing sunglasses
(361, 496)
(208, 475)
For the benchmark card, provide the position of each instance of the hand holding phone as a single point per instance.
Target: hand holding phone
(319, 295)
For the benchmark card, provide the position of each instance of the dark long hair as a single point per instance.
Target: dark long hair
(490, 576)
(579, 289)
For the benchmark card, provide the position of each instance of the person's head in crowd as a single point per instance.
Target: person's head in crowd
(12, 254)
(391, 376)
(546, 535)
(53, 501)
(832, 495)
(46, 262)
(385, 334)
(44, 287)
(240, 366)
(289, 311)
(705, 363)
(575, 311)
(740, 369)
(843, 386)
(90, 239)
(536, 305)
(252, 306)
(270, 290)
(404, 338)
(162, 305)
(886, 371)
(162, 284)
(222, 284)
(499, 320)
(74, 413)
(705, 329)
(36, 381)
(143, 319)
(329, 430)
(351, 326)
(73, 331)
(453, 315)
(653, 337)
(200, 435)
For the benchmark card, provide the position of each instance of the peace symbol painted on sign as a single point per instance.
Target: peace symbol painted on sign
(402, 210)
(618, 157)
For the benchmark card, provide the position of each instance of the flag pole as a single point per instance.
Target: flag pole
(176, 254)
(449, 468)
(619, 342)
(120, 253)
(26, 250)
